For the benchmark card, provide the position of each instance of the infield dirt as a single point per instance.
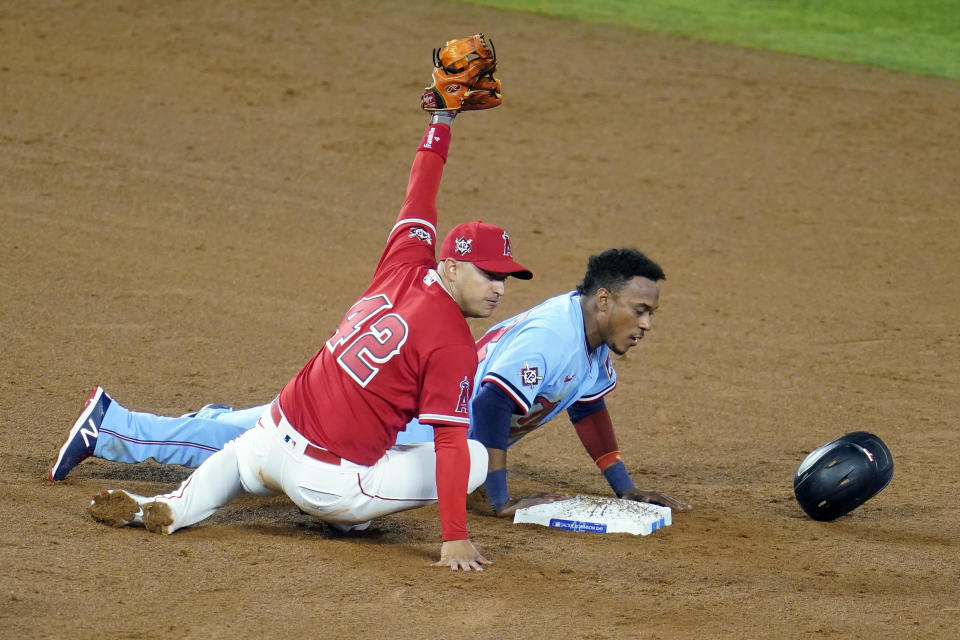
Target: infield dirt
(193, 193)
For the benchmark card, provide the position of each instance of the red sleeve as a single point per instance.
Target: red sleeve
(596, 434)
(421, 200)
(414, 236)
(453, 470)
(447, 385)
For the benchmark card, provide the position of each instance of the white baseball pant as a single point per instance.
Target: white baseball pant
(273, 458)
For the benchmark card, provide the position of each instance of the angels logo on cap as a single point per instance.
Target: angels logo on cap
(488, 247)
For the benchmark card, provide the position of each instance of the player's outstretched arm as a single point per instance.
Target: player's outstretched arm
(452, 470)
(595, 429)
(491, 411)
(461, 554)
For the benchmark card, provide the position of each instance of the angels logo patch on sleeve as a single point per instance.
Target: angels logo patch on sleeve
(464, 400)
(530, 376)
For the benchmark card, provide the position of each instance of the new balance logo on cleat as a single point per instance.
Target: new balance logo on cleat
(82, 437)
(90, 435)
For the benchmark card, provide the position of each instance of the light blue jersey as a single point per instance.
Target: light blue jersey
(542, 361)
(539, 358)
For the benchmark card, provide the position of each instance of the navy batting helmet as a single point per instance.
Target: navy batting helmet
(841, 475)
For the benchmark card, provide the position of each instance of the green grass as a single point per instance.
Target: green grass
(919, 36)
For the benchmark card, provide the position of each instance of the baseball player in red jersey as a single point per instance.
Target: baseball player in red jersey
(402, 351)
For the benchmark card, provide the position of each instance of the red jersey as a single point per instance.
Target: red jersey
(402, 351)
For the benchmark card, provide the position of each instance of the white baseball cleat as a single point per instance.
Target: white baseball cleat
(121, 508)
(117, 508)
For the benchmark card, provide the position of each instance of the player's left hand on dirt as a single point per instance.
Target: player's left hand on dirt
(463, 77)
(460, 554)
(654, 497)
(511, 507)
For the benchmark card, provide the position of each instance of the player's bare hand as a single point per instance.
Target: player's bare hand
(507, 510)
(654, 497)
(461, 554)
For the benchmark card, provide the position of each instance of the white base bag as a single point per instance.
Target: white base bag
(597, 515)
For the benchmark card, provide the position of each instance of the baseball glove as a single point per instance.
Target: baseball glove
(463, 77)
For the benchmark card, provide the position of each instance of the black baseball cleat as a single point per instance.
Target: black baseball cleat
(82, 437)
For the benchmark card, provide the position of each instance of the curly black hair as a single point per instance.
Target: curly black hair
(612, 269)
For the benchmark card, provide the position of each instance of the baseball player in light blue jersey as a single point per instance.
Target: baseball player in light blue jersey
(553, 357)
(557, 356)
